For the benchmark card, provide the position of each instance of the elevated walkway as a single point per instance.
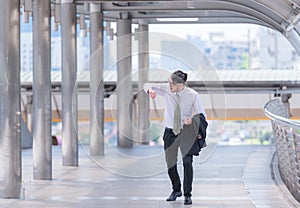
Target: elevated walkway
(203, 81)
(233, 176)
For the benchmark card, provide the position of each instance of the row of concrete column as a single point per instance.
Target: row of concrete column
(10, 108)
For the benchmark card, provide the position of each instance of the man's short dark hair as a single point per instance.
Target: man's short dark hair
(179, 77)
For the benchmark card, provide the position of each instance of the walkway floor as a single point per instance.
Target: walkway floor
(233, 176)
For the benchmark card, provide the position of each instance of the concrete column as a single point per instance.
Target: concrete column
(69, 88)
(42, 114)
(285, 97)
(29, 112)
(10, 100)
(96, 82)
(143, 98)
(124, 83)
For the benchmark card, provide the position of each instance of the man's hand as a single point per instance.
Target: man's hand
(187, 121)
(152, 93)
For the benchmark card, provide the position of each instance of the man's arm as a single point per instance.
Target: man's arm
(155, 89)
(198, 106)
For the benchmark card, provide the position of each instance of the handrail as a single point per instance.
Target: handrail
(280, 119)
(287, 142)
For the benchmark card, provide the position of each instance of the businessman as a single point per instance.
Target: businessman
(181, 104)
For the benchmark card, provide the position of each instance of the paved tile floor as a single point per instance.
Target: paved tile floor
(233, 177)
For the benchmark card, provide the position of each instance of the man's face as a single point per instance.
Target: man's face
(173, 86)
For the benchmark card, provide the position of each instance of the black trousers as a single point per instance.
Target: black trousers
(171, 145)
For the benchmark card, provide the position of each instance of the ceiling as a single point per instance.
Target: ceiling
(280, 15)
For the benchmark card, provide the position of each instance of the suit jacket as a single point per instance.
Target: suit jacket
(189, 142)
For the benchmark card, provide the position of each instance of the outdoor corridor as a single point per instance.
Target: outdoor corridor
(233, 176)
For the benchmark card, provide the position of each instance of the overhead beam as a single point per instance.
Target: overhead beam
(182, 9)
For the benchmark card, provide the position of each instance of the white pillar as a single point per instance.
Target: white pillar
(96, 82)
(42, 113)
(69, 88)
(124, 83)
(143, 98)
(10, 100)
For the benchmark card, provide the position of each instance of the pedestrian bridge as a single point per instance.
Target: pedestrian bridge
(202, 80)
(230, 176)
(225, 93)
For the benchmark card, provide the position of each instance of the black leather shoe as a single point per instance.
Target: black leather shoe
(174, 195)
(187, 200)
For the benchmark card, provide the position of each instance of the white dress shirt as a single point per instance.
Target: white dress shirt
(190, 103)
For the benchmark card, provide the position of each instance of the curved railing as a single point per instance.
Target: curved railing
(287, 142)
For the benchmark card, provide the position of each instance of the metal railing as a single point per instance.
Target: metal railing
(287, 142)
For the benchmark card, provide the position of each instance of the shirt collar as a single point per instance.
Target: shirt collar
(181, 92)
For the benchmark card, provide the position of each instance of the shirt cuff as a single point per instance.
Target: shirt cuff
(147, 87)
